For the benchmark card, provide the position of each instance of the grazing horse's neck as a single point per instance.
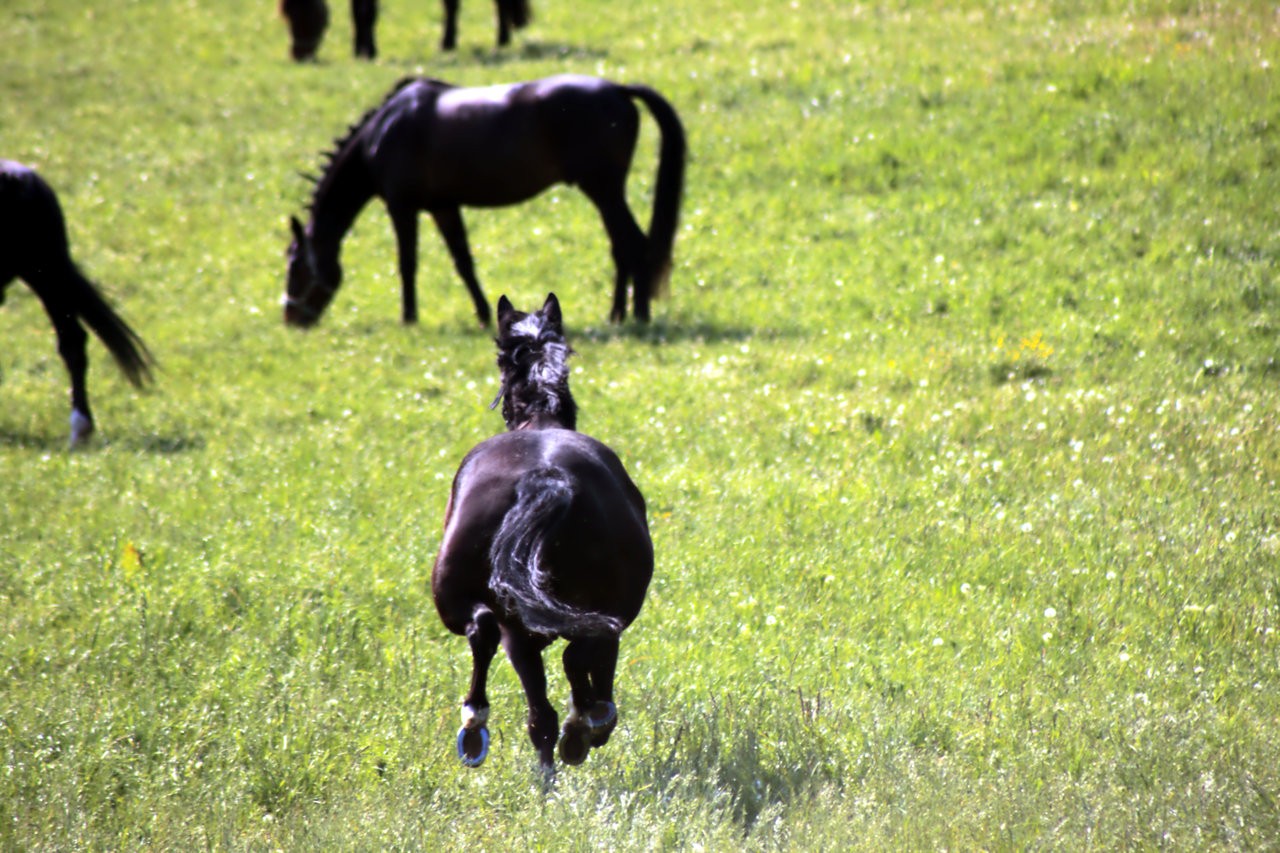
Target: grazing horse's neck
(341, 194)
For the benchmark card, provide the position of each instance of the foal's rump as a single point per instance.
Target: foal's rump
(571, 555)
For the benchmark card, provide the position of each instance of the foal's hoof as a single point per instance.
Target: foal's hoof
(473, 745)
(602, 718)
(575, 742)
(584, 732)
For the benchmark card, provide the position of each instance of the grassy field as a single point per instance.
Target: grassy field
(960, 432)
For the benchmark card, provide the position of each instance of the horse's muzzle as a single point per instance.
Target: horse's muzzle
(297, 314)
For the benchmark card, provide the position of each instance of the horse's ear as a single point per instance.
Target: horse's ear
(551, 310)
(299, 233)
(505, 308)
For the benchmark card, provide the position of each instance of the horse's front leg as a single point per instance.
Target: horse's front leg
(504, 23)
(525, 654)
(454, 232)
(405, 221)
(364, 17)
(450, 25)
(473, 738)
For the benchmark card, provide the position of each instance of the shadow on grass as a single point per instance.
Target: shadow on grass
(162, 445)
(527, 51)
(492, 57)
(665, 332)
(28, 441)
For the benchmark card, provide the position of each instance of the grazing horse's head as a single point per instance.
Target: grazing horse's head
(308, 19)
(311, 282)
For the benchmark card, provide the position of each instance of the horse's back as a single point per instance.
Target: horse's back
(497, 145)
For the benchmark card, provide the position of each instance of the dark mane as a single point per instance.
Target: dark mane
(342, 143)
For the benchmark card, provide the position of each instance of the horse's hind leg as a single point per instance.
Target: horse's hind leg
(629, 247)
(454, 231)
(71, 347)
(525, 654)
(473, 738)
(589, 665)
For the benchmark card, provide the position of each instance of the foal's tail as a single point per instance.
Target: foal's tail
(519, 12)
(520, 579)
(666, 198)
(120, 340)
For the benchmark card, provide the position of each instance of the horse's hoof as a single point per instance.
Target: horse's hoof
(575, 743)
(473, 745)
(602, 718)
(81, 427)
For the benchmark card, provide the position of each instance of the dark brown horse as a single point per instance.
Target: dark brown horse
(308, 20)
(436, 147)
(545, 536)
(33, 247)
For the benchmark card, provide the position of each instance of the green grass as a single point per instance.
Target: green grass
(959, 434)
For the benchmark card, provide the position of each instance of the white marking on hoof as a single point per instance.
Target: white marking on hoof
(474, 718)
(81, 427)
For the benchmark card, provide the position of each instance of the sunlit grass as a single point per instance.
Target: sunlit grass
(958, 434)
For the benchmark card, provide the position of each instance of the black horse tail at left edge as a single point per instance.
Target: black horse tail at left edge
(670, 187)
(519, 579)
(519, 12)
(120, 340)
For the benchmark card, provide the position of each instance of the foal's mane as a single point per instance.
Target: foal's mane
(533, 361)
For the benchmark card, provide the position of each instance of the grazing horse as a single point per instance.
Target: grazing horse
(545, 536)
(436, 147)
(33, 247)
(308, 19)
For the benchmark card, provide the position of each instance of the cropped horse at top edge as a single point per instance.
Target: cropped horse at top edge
(545, 537)
(431, 146)
(34, 248)
(309, 19)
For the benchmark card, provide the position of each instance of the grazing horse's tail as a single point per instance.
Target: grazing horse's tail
(520, 579)
(122, 342)
(519, 12)
(666, 198)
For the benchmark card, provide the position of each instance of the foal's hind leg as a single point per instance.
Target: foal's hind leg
(589, 665)
(454, 231)
(525, 654)
(473, 738)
